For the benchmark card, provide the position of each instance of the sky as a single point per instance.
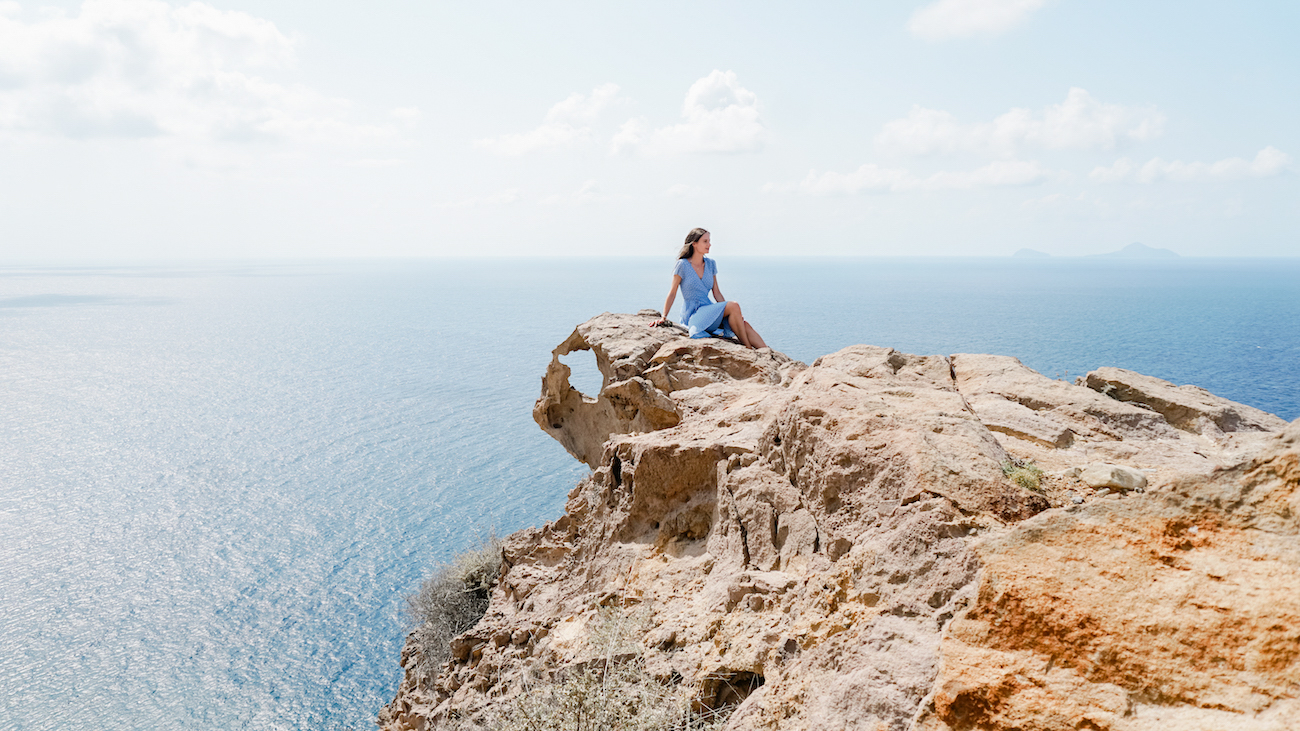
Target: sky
(136, 129)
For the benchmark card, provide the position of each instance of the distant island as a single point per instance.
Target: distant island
(1032, 254)
(1139, 251)
(1132, 251)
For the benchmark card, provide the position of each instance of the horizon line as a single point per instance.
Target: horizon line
(160, 260)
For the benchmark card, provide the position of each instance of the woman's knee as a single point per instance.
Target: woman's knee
(733, 308)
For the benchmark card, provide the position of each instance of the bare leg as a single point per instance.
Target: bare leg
(737, 322)
(754, 337)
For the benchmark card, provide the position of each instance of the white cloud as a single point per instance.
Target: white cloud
(1268, 161)
(875, 179)
(719, 116)
(143, 68)
(567, 122)
(994, 175)
(631, 135)
(869, 177)
(378, 162)
(580, 108)
(1079, 122)
(1122, 170)
(590, 191)
(964, 18)
(407, 115)
(684, 190)
(503, 198)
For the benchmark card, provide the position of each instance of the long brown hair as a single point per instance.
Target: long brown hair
(688, 250)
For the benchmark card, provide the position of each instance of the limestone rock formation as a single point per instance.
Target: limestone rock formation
(1189, 408)
(837, 546)
(1120, 417)
(1175, 609)
(1100, 475)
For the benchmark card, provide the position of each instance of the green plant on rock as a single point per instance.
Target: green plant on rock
(449, 602)
(1024, 473)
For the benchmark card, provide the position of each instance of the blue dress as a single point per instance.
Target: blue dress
(701, 315)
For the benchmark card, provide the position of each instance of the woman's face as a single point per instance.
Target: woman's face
(703, 244)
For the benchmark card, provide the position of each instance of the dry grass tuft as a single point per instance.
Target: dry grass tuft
(453, 599)
(1024, 473)
(610, 690)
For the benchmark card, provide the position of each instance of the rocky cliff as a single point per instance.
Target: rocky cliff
(889, 541)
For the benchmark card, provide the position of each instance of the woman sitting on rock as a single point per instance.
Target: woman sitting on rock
(697, 275)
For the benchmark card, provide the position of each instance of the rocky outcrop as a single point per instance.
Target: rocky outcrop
(1190, 408)
(627, 401)
(837, 546)
(1175, 609)
(1111, 416)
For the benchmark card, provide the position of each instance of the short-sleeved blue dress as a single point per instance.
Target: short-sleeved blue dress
(701, 315)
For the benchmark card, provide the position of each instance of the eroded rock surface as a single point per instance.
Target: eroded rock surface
(1190, 408)
(836, 546)
(1175, 609)
(1113, 416)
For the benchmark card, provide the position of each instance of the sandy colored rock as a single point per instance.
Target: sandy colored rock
(1061, 425)
(1050, 405)
(1190, 408)
(836, 546)
(1099, 475)
(623, 346)
(1179, 604)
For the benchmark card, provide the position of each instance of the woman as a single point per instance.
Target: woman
(697, 275)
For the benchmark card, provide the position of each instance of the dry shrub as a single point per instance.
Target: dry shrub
(605, 696)
(453, 599)
(1024, 473)
(611, 691)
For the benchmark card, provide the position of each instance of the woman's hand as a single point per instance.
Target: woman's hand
(668, 304)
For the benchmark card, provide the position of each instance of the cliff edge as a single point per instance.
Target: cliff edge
(890, 541)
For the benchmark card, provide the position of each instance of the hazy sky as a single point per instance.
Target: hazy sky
(284, 128)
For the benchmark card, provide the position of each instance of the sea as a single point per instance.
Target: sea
(219, 481)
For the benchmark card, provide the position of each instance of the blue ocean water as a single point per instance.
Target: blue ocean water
(218, 482)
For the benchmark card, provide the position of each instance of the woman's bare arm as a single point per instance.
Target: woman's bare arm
(717, 291)
(668, 303)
